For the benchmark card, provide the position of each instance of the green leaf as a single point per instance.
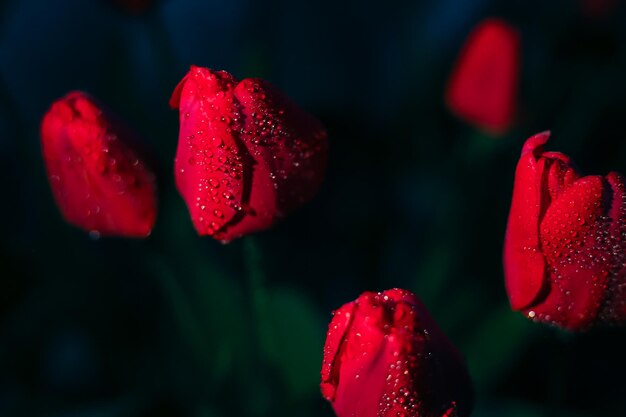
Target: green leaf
(292, 334)
(497, 342)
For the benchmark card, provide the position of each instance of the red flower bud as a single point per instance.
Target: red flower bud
(246, 154)
(98, 182)
(386, 357)
(483, 87)
(565, 248)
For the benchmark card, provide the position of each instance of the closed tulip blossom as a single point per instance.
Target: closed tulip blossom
(247, 156)
(386, 357)
(482, 89)
(99, 182)
(565, 247)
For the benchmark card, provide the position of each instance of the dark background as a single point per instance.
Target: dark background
(178, 325)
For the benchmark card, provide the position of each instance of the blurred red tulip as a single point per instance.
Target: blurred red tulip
(246, 154)
(98, 181)
(565, 245)
(482, 89)
(134, 6)
(598, 8)
(386, 357)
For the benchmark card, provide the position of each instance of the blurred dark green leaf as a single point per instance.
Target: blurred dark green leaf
(495, 345)
(293, 333)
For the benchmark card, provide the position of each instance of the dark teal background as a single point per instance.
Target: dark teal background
(178, 325)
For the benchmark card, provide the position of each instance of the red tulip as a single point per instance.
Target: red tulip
(246, 154)
(565, 247)
(98, 181)
(386, 357)
(483, 87)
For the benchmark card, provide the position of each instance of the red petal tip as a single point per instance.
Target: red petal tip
(178, 90)
(535, 142)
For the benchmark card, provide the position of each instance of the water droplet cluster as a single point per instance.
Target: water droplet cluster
(289, 141)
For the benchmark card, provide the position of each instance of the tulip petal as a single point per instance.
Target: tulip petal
(334, 339)
(450, 412)
(614, 308)
(364, 365)
(286, 140)
(570, 234)
(178, 92)
(209, 169)
(524, 263)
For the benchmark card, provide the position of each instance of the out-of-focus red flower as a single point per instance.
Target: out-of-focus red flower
(99, 183)
(246, 156)
(482, 89)
(598, 8)
(386, 357)
(565, 247)
(133, 6)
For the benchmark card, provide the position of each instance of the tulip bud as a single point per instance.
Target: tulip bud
(386, 357)
(246, 156)
(483, 86)
(565, 247)
(99, 183)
